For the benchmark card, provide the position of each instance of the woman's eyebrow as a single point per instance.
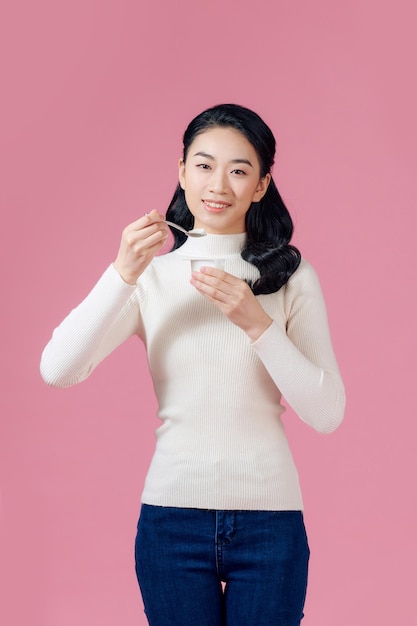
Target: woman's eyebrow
(209, 156)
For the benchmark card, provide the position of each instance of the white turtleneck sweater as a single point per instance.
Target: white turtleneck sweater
(221, 444)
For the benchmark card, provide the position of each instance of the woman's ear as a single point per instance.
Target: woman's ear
(262, 188)
(181, 173)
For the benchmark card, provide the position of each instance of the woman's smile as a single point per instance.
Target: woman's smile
(215, 207)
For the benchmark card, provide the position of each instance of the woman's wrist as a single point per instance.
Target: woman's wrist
(258, 329)
(127, 277)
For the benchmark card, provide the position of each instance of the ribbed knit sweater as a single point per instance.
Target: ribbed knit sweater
(221, 444)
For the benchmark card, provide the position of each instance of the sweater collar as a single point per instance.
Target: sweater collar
(213, 246)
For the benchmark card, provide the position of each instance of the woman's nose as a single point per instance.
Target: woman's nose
(218, 182)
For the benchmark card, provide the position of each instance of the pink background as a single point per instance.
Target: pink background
(95, 95)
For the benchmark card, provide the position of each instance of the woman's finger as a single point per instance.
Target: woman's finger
(221, 283)
(140, 241)
(225, 289)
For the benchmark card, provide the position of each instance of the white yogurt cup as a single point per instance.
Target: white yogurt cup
(197, 264)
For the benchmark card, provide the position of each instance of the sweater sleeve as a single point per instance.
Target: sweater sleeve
(301, 360)
(106, 318)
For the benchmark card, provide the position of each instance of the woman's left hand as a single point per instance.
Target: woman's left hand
(234, 298)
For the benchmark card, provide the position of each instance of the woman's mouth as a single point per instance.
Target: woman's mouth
(215, 207)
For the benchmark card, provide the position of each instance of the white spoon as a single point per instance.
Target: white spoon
(195, 232)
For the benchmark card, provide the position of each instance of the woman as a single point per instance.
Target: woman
(221, 537)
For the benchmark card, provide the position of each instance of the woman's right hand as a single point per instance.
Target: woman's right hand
(140, 241)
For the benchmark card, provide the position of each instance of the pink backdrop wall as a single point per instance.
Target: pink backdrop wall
(94, 98)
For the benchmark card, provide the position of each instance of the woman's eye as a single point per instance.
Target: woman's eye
(240, 172)
(203, 166)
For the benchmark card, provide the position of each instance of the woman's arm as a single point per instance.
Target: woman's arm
(301, 361)
(106, 318)
(110, 313)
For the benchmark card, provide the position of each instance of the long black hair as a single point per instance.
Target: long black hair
(269, 226)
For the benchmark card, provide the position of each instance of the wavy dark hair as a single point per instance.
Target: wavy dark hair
(269, 226)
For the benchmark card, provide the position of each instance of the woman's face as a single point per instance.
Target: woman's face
(221, 178)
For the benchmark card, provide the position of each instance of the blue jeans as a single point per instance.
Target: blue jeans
(184, 555)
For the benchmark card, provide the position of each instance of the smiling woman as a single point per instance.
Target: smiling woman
(222, 501)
